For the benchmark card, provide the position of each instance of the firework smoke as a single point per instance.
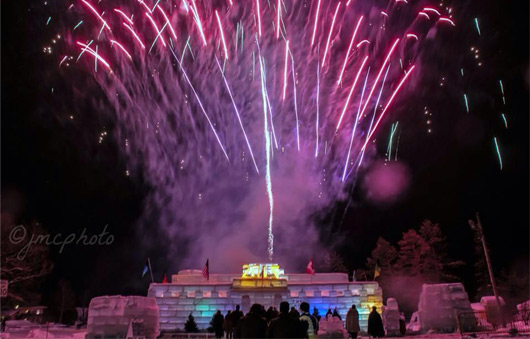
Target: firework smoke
(224, 106)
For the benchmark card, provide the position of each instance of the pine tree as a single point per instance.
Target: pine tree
(433, 235)
(414, 258)
(385, 254)
(64, 301)
(191, 326)
(512, 285)
(442, 266)
(333, 262)
(396, 279)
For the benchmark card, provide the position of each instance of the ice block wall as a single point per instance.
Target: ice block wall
(109, 316)
(180, 298)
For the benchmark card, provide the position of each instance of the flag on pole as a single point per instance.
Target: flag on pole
(206, 270)
(146, 269)
(164, 280)
(377, 271)
(354, 276)
(309, 269)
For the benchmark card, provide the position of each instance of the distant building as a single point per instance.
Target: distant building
(35, 314)
(266, 284)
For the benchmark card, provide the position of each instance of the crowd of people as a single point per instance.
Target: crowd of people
(291, 323)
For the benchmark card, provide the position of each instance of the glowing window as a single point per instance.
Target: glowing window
(175, 294)
(191, 294)
(324, 293)
(206, 294)
(294, 294)
(223, 294)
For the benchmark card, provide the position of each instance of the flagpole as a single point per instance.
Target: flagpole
(150, 269)
(312, 267)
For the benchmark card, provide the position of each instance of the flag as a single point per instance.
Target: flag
(206, 270)
(164, 280)
(146, 269)
(377, 271)
(309, 269)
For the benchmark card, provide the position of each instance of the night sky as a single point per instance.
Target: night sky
(68, 181)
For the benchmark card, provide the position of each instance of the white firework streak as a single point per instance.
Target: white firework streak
(270, 248)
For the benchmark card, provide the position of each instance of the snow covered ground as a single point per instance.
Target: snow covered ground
(44, 333)
(57, 332)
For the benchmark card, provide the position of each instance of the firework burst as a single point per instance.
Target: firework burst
(246, 99)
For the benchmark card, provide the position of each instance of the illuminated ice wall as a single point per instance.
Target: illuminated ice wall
(189, 292)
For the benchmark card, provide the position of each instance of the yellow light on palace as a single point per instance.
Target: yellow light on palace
(262, 271)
